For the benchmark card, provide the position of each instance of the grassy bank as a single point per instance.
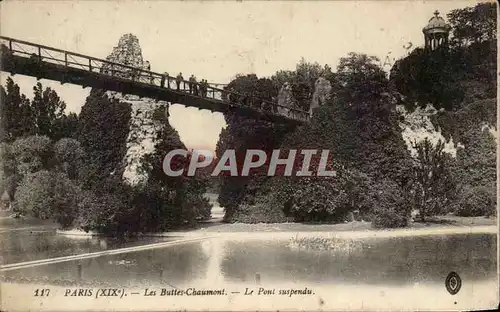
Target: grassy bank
(435, 223)
(448, 224)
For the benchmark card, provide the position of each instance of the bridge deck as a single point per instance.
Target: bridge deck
(21, 57)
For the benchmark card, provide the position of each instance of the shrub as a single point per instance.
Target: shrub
(476, 201)
(320, 201)
(108, 212)
(46, 195)
(34, 195)
(32, 154)
(64, 201)
(390, 207)
(263, 211)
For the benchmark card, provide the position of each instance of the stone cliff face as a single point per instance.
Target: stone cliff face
(285, 98)
(322, 89)
(417, 125)
(321, 94)
(143, 128)
(127, 52)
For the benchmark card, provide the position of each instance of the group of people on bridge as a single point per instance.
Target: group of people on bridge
(198, 89)
(194, 87)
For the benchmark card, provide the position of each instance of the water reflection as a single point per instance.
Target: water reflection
(20, 246)
(388, 261)
(406, 260)
(154, 266)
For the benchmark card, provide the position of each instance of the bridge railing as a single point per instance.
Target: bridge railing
(41, 53)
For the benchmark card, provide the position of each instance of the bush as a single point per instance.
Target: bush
(321, 201)
(97, 213)
(390, 207)
(476, 201)
(34, 195)
(46, 195)
(263, 211)
(32, 154)
(65, 199)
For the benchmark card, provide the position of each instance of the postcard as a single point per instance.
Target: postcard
(248, 155)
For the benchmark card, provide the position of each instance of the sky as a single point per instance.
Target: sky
(216, 40)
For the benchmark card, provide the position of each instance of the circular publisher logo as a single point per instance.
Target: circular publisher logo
(453, 283)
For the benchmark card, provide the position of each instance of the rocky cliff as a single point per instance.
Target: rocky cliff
(322, 90)
(285, 98)
(417, 125)
(143, 127)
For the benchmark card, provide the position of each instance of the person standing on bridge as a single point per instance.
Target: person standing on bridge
(178, 81)
(205, 87)
(202, 88)
(193, 85)
(148, 68)
(163, 77)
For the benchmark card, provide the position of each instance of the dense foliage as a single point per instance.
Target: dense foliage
(102, 130)
(359, 124)
(44, 115)
(460, 81)
(476, 201)
(69, 168)
(434, 186)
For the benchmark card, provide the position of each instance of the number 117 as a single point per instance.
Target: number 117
(42, 292)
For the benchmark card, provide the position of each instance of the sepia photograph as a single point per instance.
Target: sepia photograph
(175, 155)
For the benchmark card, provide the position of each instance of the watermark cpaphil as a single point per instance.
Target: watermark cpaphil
(300, 163)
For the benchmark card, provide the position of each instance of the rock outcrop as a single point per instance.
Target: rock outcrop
(127, 52)
(143, 127)
(322, 90)
(417, 125)
(285, 98)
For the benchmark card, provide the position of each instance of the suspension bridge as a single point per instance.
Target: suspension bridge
(43, 62)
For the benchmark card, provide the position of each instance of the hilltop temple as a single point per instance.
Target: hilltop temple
(436, 32)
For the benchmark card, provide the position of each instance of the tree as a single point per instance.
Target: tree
(70, 157)
(475, 171)
(48, 110)
(317, 199)
(473, 25)
(174, 201)
(103, 128)
(362, 90)
(16, 114)
(66, 127)
(303, 86)
(359, 78)
(434, 186)
(428, 77)
(34, 195)
(244, 133)
(9, 175)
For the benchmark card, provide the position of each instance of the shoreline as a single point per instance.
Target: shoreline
(353, 229)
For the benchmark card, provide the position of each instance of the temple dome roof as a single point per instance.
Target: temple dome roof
(436, 25)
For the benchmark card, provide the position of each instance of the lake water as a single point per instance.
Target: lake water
(388, 273)
(389, 261)
(40, 243)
